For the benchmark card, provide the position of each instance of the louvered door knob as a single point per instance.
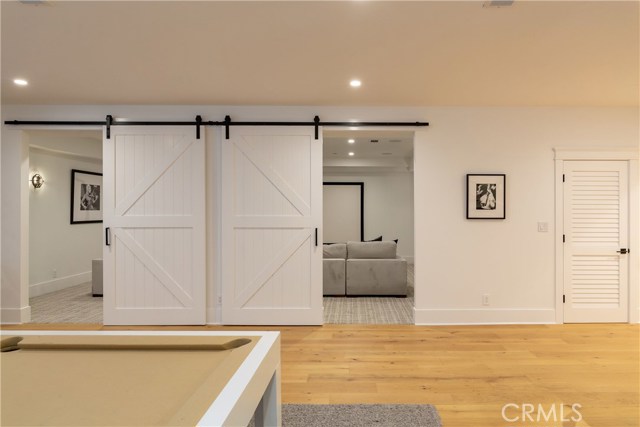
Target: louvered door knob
(623, 251)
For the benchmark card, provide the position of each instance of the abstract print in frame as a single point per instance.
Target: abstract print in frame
(486, 195)
(86, 197)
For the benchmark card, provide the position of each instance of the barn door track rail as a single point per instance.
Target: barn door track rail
(227, 123)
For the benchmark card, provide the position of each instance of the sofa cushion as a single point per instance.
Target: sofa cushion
(333, 277)
(377, 277)
(371, 250)
(337, 250)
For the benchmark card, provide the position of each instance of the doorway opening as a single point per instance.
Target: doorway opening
(369, 170)
(64, 257)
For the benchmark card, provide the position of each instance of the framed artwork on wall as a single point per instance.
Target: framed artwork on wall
(86, 197)
(486, 196)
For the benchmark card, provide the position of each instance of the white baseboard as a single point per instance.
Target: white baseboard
(10, 316)
(49, 286)
(484, 317)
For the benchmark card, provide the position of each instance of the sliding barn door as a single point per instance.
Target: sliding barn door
(272, 208)
(596, 269)
(154, 205)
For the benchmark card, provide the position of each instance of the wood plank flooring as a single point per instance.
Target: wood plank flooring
(468, 372)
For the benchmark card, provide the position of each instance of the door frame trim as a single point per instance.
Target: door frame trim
(631, 156)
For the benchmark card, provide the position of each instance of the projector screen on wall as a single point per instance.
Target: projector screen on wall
(343, 211)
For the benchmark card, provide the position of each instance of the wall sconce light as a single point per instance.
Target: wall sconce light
(37, 180)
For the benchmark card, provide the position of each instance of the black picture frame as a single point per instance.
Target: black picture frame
(86, 197)
(486, 196)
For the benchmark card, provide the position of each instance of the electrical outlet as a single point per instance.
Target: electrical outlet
(485, 299)
(543, 227)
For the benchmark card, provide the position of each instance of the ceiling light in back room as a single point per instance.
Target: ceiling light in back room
(20, 82)
(497, 3)
(351, 153)
(351, 141)
(355, 83)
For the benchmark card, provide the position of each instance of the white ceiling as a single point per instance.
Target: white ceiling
(420, 53)
(379, 151)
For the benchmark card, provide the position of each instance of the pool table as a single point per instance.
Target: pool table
(140, 378)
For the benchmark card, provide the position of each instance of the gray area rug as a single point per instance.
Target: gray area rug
(378, 415)
(369, 310)
(70, 305)
(76, 305)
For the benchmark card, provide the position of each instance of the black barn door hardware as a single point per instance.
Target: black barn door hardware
(227, 123)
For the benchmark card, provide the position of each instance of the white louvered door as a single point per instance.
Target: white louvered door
(272, 207)
(596, 229)
(154, 202)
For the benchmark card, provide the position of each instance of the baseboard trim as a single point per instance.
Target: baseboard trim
(49, 286)
(11, 316)
(484, 317)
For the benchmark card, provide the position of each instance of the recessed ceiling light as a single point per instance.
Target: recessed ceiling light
(351, 153)
(355, 83)
(351, 141)
(20, 82)
(497, 3)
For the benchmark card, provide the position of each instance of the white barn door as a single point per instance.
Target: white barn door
(154, 206)
(596, 221)
(271, 209)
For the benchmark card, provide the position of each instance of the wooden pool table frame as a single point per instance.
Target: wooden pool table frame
(255, 386)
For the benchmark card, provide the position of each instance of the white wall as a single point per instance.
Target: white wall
(457, 260)
(60, 253)
(388, 206)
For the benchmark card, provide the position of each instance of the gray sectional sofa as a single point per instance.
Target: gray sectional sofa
(364, 268)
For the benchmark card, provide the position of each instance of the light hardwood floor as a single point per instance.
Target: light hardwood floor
(468, 372)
